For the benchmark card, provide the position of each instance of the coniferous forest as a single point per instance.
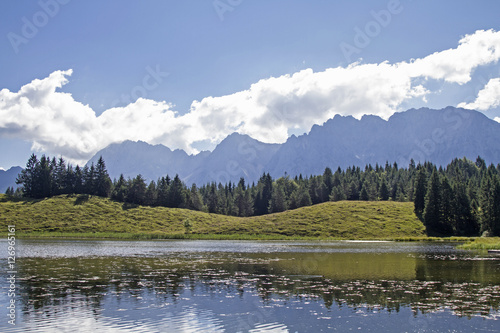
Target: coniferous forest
(462, 199)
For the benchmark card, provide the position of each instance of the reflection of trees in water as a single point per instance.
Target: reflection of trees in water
(49, 285)
(463, 299)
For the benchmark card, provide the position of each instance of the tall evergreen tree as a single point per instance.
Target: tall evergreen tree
(120, 189)
(43, 178)
(278, 200)
(213, 199)
(300, 197)
(338, 194)
(176, 193)
(59, 178)
(420, 192)
(464, 222)
(490, 204)
(265, 189)
(243, 200)
(102, 185)
(162, 191)
(383, 191)
(151, 195)
(195, 201)
(432, 211)
(364, 193)
(27, 177)
(137, 191)
(328, 183)
(89, 179)
(78, 187)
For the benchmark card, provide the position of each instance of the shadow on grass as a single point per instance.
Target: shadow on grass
(127, 206)
(25, 201)
(9, 198)
(81, 199)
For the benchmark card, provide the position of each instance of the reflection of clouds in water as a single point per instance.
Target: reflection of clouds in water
(82, 319)
(273, 327)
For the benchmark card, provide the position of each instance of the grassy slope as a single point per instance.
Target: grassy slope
(105, 218)
(482, 243)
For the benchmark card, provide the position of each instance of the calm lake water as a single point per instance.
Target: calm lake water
(250, 286)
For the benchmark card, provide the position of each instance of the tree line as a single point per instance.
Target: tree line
(461, 199)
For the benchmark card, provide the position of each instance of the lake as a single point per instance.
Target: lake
(251, 286)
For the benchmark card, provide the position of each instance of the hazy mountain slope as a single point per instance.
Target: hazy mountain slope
(8, 178)
(132, 158)
(235, 157)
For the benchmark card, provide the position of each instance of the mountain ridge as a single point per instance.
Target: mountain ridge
(420, 134)
(8, 178)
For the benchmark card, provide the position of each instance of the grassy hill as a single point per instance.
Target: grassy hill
(83, 216)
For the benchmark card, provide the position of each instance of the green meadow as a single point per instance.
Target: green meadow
(85, 216)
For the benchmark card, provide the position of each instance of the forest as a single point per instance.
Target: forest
(461, 199)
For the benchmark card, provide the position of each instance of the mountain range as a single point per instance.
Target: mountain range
(419, 134)
(423, 134)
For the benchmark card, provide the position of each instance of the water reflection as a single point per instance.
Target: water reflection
(257, 287)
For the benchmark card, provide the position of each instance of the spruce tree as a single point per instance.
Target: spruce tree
(43, 178)
(328, 182)
(120, 190)
(27, 177)
(150, 197)
(102, 182)
(464, 222)
(263, 198)
(486, 204)
(364, 193)
(213, 199)
(137, 191)
(420, 192)
(447, 212)
(195, 201)
(59, 179)
(176, 197)
(162, 191)
(78, 187)
(432, 211)
(495, 225)
(89, 179)
(383, 190)
(278, 201)
(337, 194)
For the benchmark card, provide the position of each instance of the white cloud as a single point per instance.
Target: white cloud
(57, 124)
(487, 98)
(456, 65)
(497, 119)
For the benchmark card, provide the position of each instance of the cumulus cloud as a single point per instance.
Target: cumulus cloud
(487, 98)
(456, 65)
(267, 111)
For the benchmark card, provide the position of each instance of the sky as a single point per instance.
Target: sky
(76, 76)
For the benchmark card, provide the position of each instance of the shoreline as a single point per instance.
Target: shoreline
(193, 236)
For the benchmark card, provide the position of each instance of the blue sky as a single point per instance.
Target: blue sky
(203, 69)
